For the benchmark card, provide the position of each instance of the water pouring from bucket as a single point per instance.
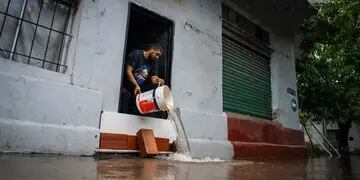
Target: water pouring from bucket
(161, 99)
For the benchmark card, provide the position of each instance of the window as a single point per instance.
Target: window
(36, 32)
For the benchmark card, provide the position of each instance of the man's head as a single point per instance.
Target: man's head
(154, 51)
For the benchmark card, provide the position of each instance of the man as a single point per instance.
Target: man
(140, 75)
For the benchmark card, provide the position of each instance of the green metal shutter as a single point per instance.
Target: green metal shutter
(246, 80)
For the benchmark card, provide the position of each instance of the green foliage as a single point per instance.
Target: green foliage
(304, 118)
(328, 71)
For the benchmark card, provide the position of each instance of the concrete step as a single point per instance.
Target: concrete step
(260, 138)
(256, 150)
(259, 130)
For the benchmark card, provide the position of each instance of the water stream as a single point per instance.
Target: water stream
(182, 144)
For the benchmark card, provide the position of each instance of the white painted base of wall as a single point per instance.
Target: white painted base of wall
(31, 137)
(201, 148)
(119, 123)
(207, 133)
(43, 116)
(201, 125)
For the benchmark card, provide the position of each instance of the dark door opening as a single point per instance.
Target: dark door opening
(144, 28)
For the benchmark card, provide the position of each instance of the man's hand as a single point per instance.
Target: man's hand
(157, 81)
(137, 90)
(161, 81)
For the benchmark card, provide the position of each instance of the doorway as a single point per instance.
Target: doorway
(146, 27)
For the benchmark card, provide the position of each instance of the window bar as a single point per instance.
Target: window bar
(63, 37)
(18, 30)
(35, 58)
(36, 26)
(5, 15)
(47, 43)
(69, 37)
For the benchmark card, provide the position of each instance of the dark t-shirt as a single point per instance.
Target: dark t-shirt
(143, 70)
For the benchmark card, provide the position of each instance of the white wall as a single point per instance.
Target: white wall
(43, 111)
(197, 61)
(355, 133)
(94, 72)
(99, 51)
(197, 68)
(48, 116)
(283, 76)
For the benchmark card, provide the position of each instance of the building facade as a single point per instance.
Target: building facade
(230, 64)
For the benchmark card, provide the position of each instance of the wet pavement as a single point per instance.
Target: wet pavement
(114, 167)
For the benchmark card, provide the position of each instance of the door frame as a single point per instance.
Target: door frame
(156, 16)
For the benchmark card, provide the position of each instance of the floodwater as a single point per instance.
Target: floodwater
(119, 167)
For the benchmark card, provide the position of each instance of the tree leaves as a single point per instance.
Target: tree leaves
(328, 70)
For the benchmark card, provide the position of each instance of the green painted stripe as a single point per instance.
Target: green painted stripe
(245, 75)
(245, 51)
(241, 52)
(235, 107)
(246, 96)
(246, 81)
(230, 57)
(251, 113)
(245, 66)
(248, 101)
(233, 91)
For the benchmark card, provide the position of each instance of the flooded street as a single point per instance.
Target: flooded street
(115, 167)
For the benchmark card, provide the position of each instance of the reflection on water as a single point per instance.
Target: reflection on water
(321, 168)
(65, 167)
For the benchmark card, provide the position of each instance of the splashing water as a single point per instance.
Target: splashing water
(185, 158)
(182, 144)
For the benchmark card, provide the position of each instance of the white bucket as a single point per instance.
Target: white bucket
(159, 99)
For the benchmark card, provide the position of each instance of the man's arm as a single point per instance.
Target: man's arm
(156, 80)
(129, 72)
